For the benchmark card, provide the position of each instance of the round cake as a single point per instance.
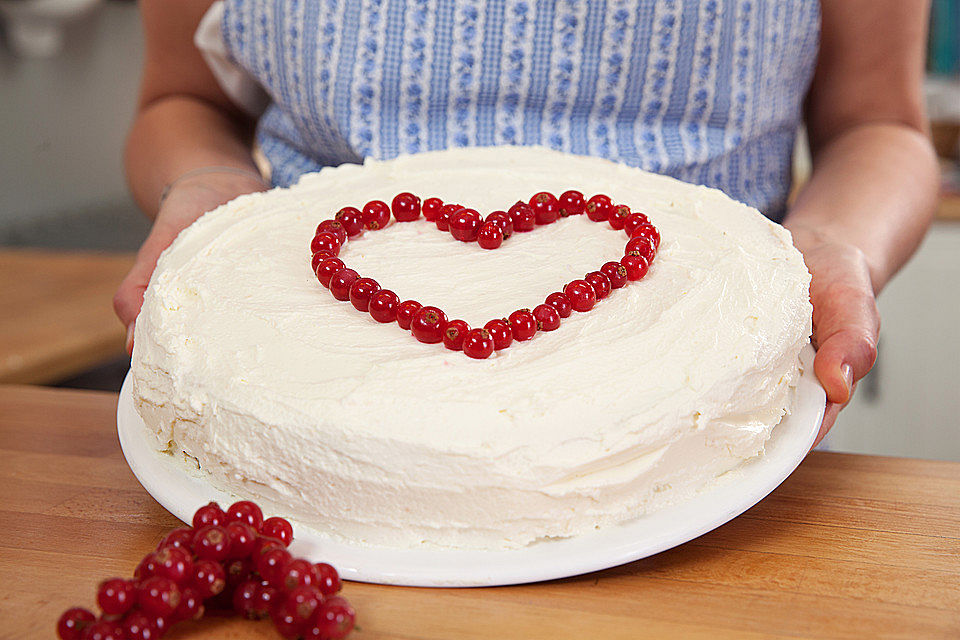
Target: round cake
(245, 367)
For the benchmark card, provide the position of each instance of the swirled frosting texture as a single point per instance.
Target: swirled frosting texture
(244, 363)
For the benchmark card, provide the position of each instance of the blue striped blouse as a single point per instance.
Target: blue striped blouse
(708, 91)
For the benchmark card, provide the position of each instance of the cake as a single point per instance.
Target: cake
(246, 368)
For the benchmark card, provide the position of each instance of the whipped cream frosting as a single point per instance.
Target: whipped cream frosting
(246, 366)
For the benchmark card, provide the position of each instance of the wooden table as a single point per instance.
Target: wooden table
(849, 547)
(56, 314)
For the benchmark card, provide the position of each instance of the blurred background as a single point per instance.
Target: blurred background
(68, 79)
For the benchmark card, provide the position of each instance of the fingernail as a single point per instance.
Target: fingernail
(129, 344)
(847, 372)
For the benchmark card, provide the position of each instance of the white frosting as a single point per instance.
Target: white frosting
(245, 363)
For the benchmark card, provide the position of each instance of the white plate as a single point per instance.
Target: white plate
(181, 491)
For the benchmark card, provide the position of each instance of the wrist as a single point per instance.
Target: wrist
(810, 238)
(195, 193)
(216, 179)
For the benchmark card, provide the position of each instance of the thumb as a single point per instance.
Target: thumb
(128, 299)
(845, 327)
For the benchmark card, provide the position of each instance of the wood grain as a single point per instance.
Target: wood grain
(848, 547)
(56, 316)
(949, 207)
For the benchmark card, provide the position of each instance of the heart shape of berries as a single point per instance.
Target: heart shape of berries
(429, 324)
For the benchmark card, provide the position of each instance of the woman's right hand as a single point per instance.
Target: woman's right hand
(186, 201)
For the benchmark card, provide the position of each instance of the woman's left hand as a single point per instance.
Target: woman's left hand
(846, 322)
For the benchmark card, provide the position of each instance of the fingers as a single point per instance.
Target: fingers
(128, 299)
(830, 414)
(846, 325)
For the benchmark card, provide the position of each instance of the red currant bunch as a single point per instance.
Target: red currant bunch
(231, 559)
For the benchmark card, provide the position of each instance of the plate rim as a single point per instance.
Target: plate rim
(181, 492)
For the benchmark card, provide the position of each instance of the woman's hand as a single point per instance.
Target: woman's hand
(186, 201)
(845, 318)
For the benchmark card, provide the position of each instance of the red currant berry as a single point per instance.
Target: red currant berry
(523, 217)
(383, 305)
(335, 618)
(103, 630)
(302, 603)
(571, 203)
(582, 295)
(265, 599)
(244, 598)
(619, 216)
(72, 623)
(210, 513)
(335, 227)
(175, 563)
(443, 220)
(319, 257)
(298, 573)
(636, 266)
(502, 218)
(431, 209)
(284, 617)
(162, 623)
(190, 607)
(181, 537)
(616, 273)
(454, 333)
(633, 221)
(271, 565)
(428, 324)
(361, 291)
(341, 282)
(523, 324)
(329, 580)
(478, 344)
(237, 571)
(490, 235)
(641, 246)
(246, 511)
(264, 544)
(209, 578)
(158, 596)
(545, 207)
(376, 215)
(561, 303)
(405, 207)
(211, 543)
(599, 208)
(648, 231)
(148, 566)
(405, 312)
(137, 625)
(465, 225)
(352, 220)
(327, 268)
(547, 317)
(242, 538)
(600, 283)
(325, 241)
(313, 633)
(500, 332)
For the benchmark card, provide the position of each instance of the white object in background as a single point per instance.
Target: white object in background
(239, 85)
(35, 27)
(908, 405)
(182, 492)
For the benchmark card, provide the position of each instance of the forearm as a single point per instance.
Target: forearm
(175, 135)
(873, 187)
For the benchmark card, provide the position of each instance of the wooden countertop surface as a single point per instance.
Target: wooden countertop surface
(848, 547)
(56, 315)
